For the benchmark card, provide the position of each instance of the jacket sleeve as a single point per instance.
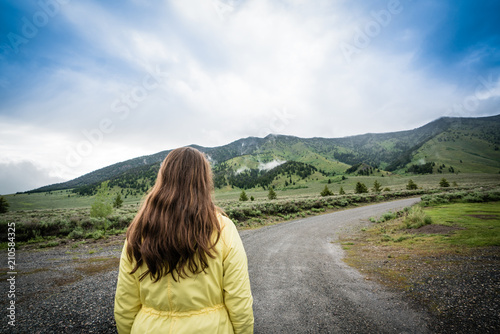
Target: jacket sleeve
(237, 294)
(127, 298)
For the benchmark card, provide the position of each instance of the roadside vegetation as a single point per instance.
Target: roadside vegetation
(63, 216)
(442, 252)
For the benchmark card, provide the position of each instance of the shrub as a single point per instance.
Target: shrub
(77, 233)
(101, 208)
(4, 205)
(99, 223)
(444, 183)
(236, 214)
(411, 185)
(473, 198)
(272, 194)
(122, 222)
(341, 191)
(326, 192)
(118, 202)
(377, 187)
(417, 218)
(388, 216)
(96, 235)
(243, 196)
(360, 188)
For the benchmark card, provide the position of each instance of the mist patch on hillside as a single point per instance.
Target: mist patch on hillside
(241, 170)
(271, 164)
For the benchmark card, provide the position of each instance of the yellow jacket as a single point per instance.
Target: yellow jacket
(217, 301)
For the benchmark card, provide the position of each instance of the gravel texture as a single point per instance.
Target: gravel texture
(461, 290)
(64, 289)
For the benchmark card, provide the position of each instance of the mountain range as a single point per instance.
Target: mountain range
(448, 144)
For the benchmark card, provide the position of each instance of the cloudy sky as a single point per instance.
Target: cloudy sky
(84, 84)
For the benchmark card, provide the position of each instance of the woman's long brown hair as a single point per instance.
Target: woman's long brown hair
(175, 226)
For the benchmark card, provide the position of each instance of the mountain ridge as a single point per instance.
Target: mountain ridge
(391, 151)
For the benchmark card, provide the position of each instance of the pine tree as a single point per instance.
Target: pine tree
(341, 191)
(118, 201)
(444, 183)
(411, 185)
(377, 187)
(272, 193)
(243, 196)
(4, 205)
(326, 192)
(360, 188)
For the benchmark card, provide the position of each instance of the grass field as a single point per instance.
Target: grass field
(478, 223)
(310, 187)
(453, 225)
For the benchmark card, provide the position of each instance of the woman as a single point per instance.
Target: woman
(183, 268)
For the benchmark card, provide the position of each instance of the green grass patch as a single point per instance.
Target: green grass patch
(479, 222)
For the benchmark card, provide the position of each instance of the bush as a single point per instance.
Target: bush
(388, 216)
(474, 198)
(101, 208)
(377, 187)
(96, 235)
(417, 218)
(236, 214)
(77, 233)
(120, 221)
(4, 205)
(118, 202)
(360, 188)
(444, 183)
(411, 185)
(462, 196)
(326, 192)
(272, 194)
(243, 196)
(98, 223)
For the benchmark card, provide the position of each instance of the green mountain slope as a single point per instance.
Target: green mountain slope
(446, 141)
(468, 146)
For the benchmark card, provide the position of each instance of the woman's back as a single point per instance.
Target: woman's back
(215, 301)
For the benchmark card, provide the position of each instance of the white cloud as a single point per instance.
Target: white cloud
(264, 67)
(23, 176)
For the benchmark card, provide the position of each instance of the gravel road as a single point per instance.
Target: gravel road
(299, 283)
